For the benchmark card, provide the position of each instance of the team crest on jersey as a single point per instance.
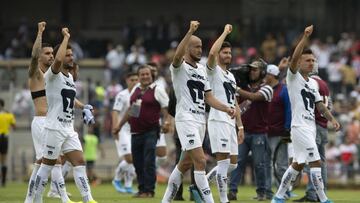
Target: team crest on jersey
(191, 142)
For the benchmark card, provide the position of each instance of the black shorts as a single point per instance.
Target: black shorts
(90, 164)
(4, 143)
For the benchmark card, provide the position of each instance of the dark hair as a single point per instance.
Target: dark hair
(307, 51)
(2, 103)
(225, 44)
(56, 49)
(146, 66)
(43, 45)
(130, 74)
(153, 64)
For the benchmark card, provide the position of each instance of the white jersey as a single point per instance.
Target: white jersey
(223, 86)
(121, 104)
(60, 96)
(303, 97)
(190, 84)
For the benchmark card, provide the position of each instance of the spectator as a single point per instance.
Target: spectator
(348, 153)
(115, 61)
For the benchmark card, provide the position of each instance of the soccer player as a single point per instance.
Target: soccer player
(7, 120)
(192, 90)
(321, 138)
(41, 59)
(123, 138)
(304, 97)
(222, 132)
(59, 130)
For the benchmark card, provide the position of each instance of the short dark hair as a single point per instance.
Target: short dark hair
(130, 74)
(56, 49)
(43, 45)
(2, 103)
(143, 67)
(153, 64)
(307, 51)
(225, 44)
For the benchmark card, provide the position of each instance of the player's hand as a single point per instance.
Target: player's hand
(240, 136)
(308, 31)
(41, 26)
(228, 29)
(65, 32)
(286, 137)
(165, 127)
(115, 132)
(284, 63)
(194, 25)
(336, 124)
(231, 112)
(88, 116)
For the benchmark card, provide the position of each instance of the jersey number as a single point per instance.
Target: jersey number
(68, 97)
(197, 92)
(309, 100)
(230, 92)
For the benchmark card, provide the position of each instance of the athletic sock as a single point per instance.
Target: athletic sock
(160, 160)
(286, 181)
(41, 181)
(129, 176)
(120, 170)
(212, 174)
(174, 183)
(82, 182)
(221, 179)
(30, 191)
(317, 181)
(203, 186)
(66, 168)
(58, 183)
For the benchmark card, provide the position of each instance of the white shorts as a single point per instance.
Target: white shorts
(123, 145)
(305, 148)
(223, 137)
(161, 141)
(37, 133)
(191, 134)
(57, 142)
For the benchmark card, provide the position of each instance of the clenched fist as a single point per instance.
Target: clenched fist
(194, 25)
(228, 29)
(65, 32)
(308, 30)
(41, 26)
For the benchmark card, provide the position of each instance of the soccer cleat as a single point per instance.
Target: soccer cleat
(129, 190)
(118, 186)
(196, 194)
(92, 201)
(277, 200)
(52, 194)
(328, 201)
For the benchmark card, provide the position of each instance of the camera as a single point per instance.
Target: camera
(241, 73)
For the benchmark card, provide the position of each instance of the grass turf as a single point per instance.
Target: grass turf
(105, 193)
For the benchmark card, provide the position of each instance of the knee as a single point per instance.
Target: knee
(200, 164)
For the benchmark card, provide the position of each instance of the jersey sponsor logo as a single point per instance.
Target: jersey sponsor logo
(190, 135)
(196, 112)
(50, 147)
(67, 83)
(197, 76)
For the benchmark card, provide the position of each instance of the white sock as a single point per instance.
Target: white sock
(212, 174)
(66, 168)
(288, 177)
(30, 192)
(129, 176)
(160, 160)
(232, 167)
(174, 183)
(58, 183)
(82, 182)
(317, 181)
(221, 179)
(41, 181)
(120, 170)
(203, 186)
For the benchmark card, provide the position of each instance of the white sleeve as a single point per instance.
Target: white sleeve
(118, 103)
(318, 97)
(49, 74)
(161, 96)
(175, 69)
(267, 92)
(290, 76)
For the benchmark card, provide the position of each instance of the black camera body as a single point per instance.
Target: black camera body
(241, 73)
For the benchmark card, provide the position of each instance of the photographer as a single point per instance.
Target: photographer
(254, 99)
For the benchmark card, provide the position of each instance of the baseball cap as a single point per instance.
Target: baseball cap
(258, 64)
(273, 70)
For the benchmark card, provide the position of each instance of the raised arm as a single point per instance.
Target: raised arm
(299, 48)
(33, 68)
(214, 51)
(180, 50)
(60, 55)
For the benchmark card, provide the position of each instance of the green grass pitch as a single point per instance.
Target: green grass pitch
(105, 193)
